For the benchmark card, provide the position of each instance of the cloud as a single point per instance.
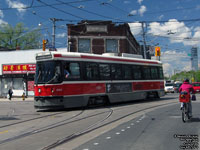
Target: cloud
(3, 22)
(61, 35)
(171, 62)
(136, 28)
(176, 31)
(142, 10)
(161, 17)
(133, 12)
(18, 5)
(139, 1)
(127, 2)
(1, 14)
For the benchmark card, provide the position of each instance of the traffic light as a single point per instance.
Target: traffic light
(44, 42)
(157, 51)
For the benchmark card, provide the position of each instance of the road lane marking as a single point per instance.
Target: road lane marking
(2, 132)
(117, 133)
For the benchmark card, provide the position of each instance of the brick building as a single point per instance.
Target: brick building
(101, 37)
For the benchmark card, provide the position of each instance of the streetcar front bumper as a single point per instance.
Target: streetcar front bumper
(48, 102)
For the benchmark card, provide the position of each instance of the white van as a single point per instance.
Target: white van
(169, 88)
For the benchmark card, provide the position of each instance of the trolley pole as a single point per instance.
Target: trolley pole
(145, 52)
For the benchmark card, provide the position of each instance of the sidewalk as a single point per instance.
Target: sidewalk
(17, 99)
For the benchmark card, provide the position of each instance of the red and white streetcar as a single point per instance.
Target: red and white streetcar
(67, 80)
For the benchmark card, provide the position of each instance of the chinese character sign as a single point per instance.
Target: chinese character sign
(19, 69)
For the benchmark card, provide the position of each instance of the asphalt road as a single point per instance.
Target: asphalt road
(152, 125)
(161, 129)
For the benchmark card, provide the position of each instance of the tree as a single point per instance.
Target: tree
(190, 75)
(19, 37)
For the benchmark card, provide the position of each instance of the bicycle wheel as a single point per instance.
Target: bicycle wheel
(184, 113)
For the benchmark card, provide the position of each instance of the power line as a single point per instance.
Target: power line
(88, 11)
(60, 10)
(39, 6)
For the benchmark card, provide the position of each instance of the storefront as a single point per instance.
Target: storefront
(17, 69)
(19, 77)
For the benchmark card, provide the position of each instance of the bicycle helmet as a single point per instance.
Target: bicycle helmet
(186, 80)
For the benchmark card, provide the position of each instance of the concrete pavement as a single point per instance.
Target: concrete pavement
(30, 98)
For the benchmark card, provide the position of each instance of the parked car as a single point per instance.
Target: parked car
(196, 86)
(169, 88)
(176, 87)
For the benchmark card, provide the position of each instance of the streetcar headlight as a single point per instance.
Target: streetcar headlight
(39, 90)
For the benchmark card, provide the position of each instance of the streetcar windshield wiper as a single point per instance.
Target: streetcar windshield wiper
(55, 77)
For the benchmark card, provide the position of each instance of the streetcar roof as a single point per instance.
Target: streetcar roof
(88, 56)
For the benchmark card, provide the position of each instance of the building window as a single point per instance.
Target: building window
(111, 46)
(84, 45)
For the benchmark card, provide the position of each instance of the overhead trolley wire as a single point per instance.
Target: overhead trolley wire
(93, 13)
(61, 10)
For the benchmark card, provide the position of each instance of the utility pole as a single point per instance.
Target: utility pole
(143, 34)
(54, 30)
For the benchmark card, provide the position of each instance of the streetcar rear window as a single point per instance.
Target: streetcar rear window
(161, 73)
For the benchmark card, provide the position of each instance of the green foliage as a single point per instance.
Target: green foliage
(190, 75)
(19, 37)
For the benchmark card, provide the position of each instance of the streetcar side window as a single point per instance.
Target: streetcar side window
(104, 70)
(161, 73)
(146, 72)
(127, 72)
(91, 71)
(154, 73)
(71, 70)
(137, 72)
(116, 71)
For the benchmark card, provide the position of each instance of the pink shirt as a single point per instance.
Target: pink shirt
(186, 87)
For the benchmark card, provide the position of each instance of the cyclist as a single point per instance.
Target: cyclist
(186, 86)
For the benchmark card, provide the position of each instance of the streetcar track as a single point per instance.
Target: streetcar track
(79, 133)
(23, 121)
(61, 123)
(87, 130)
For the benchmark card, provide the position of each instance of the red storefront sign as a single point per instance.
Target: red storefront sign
(19, 69)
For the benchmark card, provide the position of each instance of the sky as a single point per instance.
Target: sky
(174, 25)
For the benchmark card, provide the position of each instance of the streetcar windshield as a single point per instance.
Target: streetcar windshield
(48, 72)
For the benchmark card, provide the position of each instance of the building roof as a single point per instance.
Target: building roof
(20, 56)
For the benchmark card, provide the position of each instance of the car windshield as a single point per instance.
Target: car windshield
(169, 84)
(177, 85)
(48, 72)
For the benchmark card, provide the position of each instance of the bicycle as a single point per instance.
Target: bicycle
(184, 97)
